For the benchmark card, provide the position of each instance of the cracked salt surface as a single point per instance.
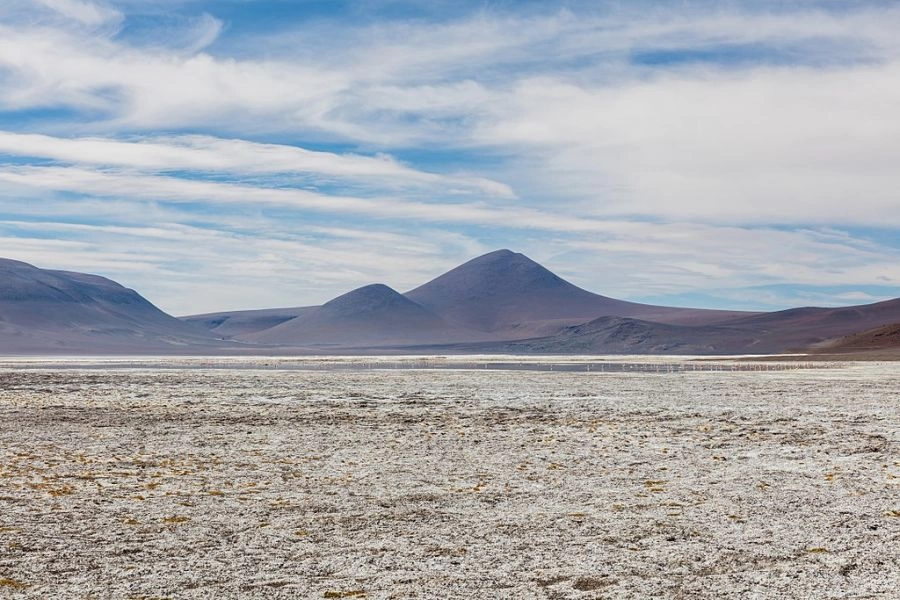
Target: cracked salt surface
(236, 483)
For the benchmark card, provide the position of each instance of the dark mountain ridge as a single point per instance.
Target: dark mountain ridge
(502, 295)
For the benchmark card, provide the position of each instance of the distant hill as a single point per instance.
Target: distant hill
(235, 324)
(796, 330)
(803, 328)
(880, 342)
(622, 335)
(374, 315)
(511, 295)
(60, 312)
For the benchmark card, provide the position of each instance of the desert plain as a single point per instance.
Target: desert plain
(184, 479)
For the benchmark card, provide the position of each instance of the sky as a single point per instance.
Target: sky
(243, 154)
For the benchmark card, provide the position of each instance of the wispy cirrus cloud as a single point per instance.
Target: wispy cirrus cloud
(237, 157)
(84, 12)
(137, 186)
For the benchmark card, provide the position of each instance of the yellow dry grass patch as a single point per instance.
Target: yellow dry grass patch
(176, 519)
(54, 490)
(349, 594)
(655, 485)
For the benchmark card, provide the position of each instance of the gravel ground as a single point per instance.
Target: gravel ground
(190, 483)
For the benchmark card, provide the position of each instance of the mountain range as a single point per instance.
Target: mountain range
(500, 302)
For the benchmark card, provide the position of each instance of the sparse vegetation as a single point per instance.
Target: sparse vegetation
(175, 520)
(12, 583)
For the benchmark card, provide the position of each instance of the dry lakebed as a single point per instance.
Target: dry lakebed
(188, 479)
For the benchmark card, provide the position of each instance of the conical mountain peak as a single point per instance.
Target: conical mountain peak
(371, 315)
(368, 299)
(500, 271)
(505, 288)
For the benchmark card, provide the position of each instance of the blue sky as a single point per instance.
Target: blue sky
(246, 154)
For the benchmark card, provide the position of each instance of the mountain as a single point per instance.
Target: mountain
(235, 324)
(499, 296)
(617, 335)
(45, 311)
(371, 316)
(624, 335)
(505, 302)
(800, 329)
(499, 302)
(880, 343)
(512, 296)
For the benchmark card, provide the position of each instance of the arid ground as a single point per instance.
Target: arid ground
(358, 483)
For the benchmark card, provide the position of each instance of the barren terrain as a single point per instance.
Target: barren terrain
(259, 483)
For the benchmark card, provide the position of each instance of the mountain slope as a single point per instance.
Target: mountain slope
(624, 335)
(46, 311)
(234, 324)
(801, 328)
(374, 315)
(511, 295)
(880, 342)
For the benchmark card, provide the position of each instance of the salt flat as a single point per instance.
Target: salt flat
(173, 482)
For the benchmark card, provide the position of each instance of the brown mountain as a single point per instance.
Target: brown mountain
(61, 312)
(499, 302)
(802, 329)
(235, 324)
(505, 302)
(374, 315)
(511, 296)
(878, 343)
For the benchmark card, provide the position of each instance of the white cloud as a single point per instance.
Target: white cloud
(238, 157)
(141, 187)
(768, 146)
(82, 11)
(776, 144)
(726, 267)
(204, 31)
